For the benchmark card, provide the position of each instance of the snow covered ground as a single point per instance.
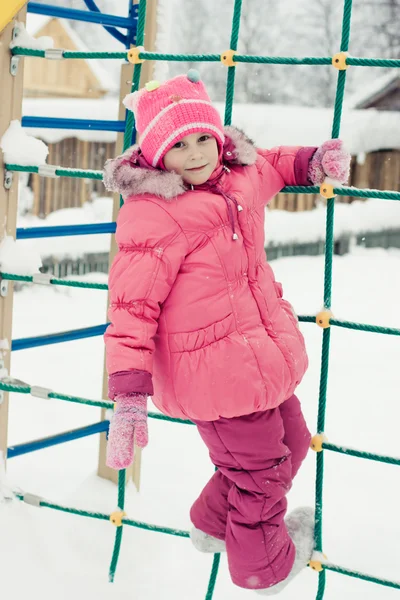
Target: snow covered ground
(52, 554)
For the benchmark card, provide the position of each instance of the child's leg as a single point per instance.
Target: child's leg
(250, 452)
(297, 437)
(210, 511)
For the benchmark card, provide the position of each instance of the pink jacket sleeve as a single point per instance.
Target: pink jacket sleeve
(151, 249)
(283, 165)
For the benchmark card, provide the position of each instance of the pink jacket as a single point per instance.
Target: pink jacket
(196, 314)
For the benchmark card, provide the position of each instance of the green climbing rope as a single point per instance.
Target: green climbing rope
(292, 189)
(272, 60)
(19, 387)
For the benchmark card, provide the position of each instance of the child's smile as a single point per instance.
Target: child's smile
(194, 157)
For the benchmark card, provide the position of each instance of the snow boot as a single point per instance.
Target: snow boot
(300, 525)
(206, 543)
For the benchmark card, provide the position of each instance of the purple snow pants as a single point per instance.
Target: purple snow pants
(244, 503)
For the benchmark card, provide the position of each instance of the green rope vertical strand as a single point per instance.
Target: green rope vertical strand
(330, 213)
(129, 127)
(230, 83)
(118, 534)
(213, 577)
(130, 119)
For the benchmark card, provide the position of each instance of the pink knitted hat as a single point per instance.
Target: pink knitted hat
(167, 112)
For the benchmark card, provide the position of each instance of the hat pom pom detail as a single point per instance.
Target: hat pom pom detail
(152, 85)
(193, 75)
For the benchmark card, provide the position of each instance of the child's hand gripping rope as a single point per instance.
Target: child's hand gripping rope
(128, 425)
(332, 161)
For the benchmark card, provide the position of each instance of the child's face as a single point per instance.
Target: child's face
(194, 157)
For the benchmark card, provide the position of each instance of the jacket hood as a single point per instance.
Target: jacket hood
(130, 174)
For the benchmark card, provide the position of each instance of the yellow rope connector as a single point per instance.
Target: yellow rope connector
(316, 565)
(116, 517)
(317, 561)
(339, 61)
(323, 318)
(227, 58)
(133, 55)
(326, 190)
(317, 441)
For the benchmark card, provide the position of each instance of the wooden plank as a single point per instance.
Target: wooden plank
(11, 108)
(125, 87)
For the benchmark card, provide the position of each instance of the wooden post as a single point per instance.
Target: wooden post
(11, 108)
(125, 87)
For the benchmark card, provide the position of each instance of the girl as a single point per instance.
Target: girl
(199, 323)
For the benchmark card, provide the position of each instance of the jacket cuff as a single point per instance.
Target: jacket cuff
(130, 382)
(301, 164)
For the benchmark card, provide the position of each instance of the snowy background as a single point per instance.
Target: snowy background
(48, 554)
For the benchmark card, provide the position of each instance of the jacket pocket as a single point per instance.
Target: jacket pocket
(188, 341)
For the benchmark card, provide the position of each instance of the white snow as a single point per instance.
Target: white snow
(267, 124)
(21, 148)
(306, 226)
(276, 125)
(98, 211)
(25, 39)
(65, 555)
(4, 344)
(14, 259)
(368, 91)
(34, 23)
(72, 108)
(25, 194)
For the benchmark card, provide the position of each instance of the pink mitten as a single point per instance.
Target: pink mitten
(128, 425)
(330, 160)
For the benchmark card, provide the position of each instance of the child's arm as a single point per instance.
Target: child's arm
(152, 247)
(304, 166)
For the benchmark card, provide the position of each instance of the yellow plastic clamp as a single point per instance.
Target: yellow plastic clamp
(116, 517)
(326, 190)
(323, 318)
(317, 441)
(133, 55)
(316, 565)
(339, 61)
(227, 58)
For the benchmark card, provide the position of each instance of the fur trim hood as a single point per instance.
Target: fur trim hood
(130, 174)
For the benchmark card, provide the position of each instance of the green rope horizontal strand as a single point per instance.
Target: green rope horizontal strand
(62, 172)
(343, 191)
(356, 326)
(363, 576)
(363, 327)
(185, 534)
(105, 517)
(55, 281)
(373, 62)
(26, 389)
(292, 189)
(302, 318)
(390, 460)
(244, 58)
